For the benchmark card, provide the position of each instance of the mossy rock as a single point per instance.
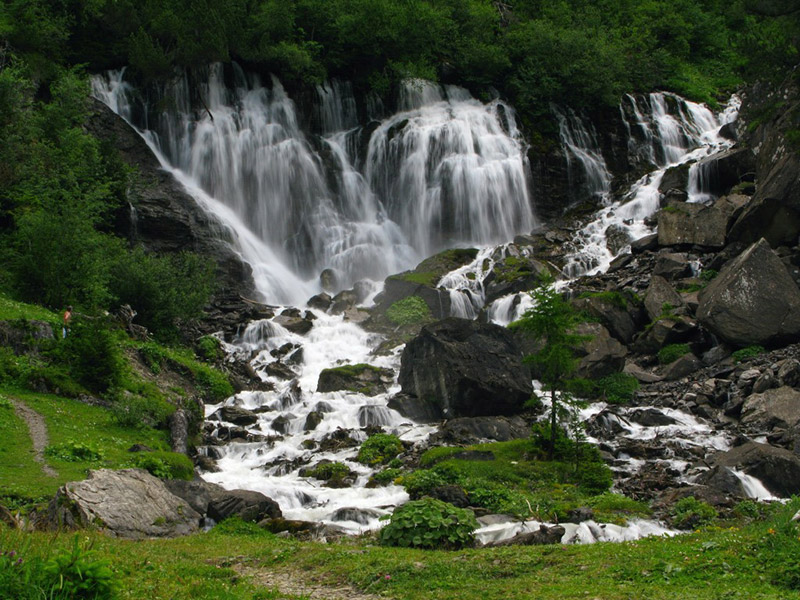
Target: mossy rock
(362, 378)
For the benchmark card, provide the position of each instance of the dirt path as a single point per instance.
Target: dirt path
(38, 431)
(292, 585)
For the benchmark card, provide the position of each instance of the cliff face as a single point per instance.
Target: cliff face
(160, 215)
(770, 128)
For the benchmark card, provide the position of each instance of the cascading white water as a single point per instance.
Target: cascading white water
(668, 131)
(448, 170)
(581, 146)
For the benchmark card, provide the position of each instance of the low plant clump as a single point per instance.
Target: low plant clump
(430, 523)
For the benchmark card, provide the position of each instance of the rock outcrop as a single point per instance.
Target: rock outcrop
(754, 300)
(129, 503)
(467, 368)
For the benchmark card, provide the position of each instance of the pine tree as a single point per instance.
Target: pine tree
(551, 323)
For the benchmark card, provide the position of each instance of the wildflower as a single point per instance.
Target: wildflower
(18, 563)
(387, 577)
(771, 531)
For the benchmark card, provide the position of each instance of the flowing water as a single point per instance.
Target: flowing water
(446, 170)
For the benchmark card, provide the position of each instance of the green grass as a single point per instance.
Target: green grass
(11, 310)
(754, 562)
(68, 422)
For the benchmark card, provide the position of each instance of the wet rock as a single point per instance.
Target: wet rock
(605, 425)
(778, 469)
(295, 324)
(236, 415)
(281, 423)
(512, 275)
(723, 480)
(338, 440)
(374, 416)
(647, 243)
(753, 300)
(362, 516)
(206, 464)
(545, 535)
(364, 379)
(323, 407)
(247, 505)
(303, 530)
(650, 417)
(469, 368)
(280, 371)
(473, 430)
(129, 503)
(418, 410)
(313, 419)
(320, 302)
(773, 408)
(343, 301)
(579, 515)
(616, 313)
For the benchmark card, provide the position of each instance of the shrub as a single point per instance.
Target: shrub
(617, 388)
(421, 482)
(93, 355)
(76, 574)
(209, 348)
(671, 353)
(379, 449)
(708, 274)
(689, 513)
(595, 478)
(165, 465)
(408, 311)
(332, 472)
(153, 356)
(745, 353)
(74, 452)
(386, 476)
(430, 523)
(146, 409)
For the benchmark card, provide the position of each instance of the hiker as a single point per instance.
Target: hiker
(67, 319)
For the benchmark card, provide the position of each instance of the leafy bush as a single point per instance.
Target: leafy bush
(386, 476)
(76, 574)
(379, 449)
(690, 513)
(420, 483)
(163, 290)
(153, 356)
(430, 523)
(145, 409)
(93, 354)
(408, 311)
(74, 452)
(595, 478)
(671, 353)
(617, 388)
(495, 498)
(165, 465)
(745, 353)
(214, 383)
(329, 471)
(209, 348)
(708, 274)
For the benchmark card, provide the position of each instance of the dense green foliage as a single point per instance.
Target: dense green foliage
(550, 323)
(672, 352)
(748, 352)
(408, 311)
(379, 449)
(430, 523)
(691, 513)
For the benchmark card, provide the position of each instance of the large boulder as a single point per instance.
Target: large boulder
(775, 408)
(620, 316)
(599, 354)
(723, 170)
(474, 430)
(776, 468)
(129, 503)
(696, 224)
(466, 367)
(660, 294)
(248, 505)
(754, 300)
(365, 379)
(418, 410)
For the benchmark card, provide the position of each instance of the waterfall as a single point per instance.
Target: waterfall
(664, 131)
(580, 143)
(447, 170)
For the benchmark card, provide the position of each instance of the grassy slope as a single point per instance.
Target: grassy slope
(755, 562)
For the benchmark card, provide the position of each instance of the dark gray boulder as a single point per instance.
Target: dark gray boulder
(129, 503)
(248, 505)
(776, 468)
(754, 300)
(779, 407)
(196, 493)
(466, 367)
(473, 430)
(599, 354)
(235, 415)
(418, 410)
(671, 265)
(697, 224)
(685, 365)
(365, 379)
(659, 294)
